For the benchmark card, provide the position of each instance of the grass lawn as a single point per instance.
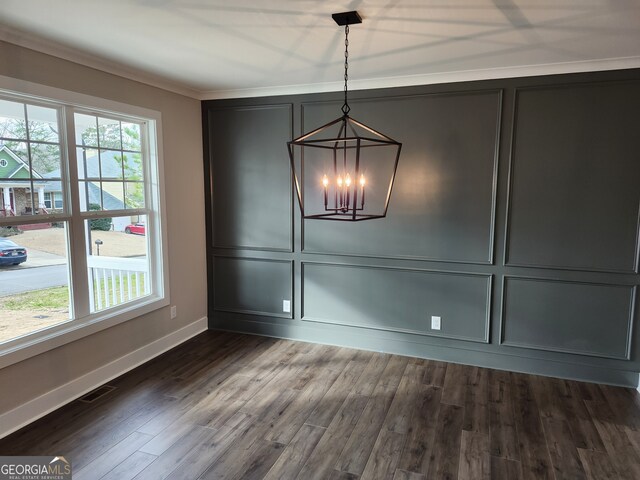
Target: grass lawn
(27, 312)
(58, 297)
(47, 299)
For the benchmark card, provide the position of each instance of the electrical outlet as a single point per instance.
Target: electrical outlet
(286, 306)
(174, 312)
(435, 322)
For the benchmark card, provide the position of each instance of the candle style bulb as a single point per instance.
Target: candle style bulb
(325, 182)
(340, 181)
(362, 180)
(347, 181)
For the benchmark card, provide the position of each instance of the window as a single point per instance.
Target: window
(53, 200)
(80, 224)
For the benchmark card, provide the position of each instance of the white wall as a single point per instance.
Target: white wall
(182, 140)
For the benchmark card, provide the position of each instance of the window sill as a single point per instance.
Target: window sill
(42, 341)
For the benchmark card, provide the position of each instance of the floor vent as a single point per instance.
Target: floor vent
(97, 393)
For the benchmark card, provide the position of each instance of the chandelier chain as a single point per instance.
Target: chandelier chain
(345, 107)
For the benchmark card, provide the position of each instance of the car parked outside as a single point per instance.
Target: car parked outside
(136, 228)
(11, 253)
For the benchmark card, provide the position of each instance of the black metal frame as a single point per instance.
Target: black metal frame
(344, 141)
(347, 139)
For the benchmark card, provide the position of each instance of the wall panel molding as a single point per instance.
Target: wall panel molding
(490, 239)
(534, 324)
(348, 297)
(251, 284)
(632, 251)
(243, 137)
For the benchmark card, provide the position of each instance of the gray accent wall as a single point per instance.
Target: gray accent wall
(515, 218)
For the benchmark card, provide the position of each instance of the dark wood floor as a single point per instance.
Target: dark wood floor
(235, 406)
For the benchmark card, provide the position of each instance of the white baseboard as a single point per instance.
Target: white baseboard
(54, 399)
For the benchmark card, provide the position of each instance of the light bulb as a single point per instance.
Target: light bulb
(362, 180)
(347, 180)
(339, 181)
(325, 181)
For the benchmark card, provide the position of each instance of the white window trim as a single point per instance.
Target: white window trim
(38, 342)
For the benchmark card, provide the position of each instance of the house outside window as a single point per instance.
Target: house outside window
(74, 182)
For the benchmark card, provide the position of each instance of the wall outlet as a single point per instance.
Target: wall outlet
(435, 322)
(174, 312)
(286, 306)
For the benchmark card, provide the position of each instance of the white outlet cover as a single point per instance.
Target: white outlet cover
(286, 306)
(435, 322)
(174, 312)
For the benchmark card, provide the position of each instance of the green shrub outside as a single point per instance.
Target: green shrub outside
(102, 224)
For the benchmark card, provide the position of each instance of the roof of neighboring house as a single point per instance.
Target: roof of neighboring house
(111, 168)
(107, 164)
(109, 201)
(16, 167)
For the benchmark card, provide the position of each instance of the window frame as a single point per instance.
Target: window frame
(85, 323)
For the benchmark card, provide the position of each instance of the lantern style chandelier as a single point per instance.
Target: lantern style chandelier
(350, 167)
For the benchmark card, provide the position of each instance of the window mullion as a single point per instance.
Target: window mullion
(155, 270)
(77, 242)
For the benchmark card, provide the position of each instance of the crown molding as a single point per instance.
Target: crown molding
(38, 44)
(33, 42)
(622, 63)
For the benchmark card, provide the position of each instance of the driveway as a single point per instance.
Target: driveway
(36, 258)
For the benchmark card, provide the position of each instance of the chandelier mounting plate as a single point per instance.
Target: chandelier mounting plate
(347, 18)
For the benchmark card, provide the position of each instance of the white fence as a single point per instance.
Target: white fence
(116, 280)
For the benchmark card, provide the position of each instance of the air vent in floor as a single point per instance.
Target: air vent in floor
(97, 393)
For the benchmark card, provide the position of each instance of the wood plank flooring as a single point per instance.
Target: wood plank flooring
(227, 406)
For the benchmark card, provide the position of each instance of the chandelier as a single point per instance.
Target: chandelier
(350, 167)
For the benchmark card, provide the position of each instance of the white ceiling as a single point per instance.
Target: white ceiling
(217, 48)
